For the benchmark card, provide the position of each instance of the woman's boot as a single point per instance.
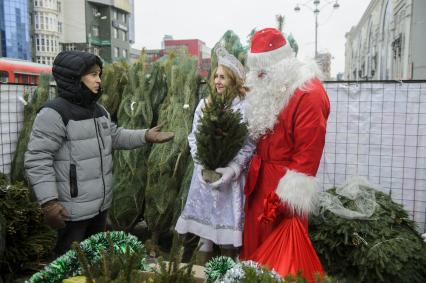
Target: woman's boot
(201, 258)
(229, 251)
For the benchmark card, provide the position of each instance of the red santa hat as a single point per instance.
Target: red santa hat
(268, 47)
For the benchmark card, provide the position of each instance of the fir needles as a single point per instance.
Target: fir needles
(221, 131)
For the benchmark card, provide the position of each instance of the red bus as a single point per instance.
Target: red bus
(21, 71)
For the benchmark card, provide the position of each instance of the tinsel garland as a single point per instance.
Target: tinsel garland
(217, 267)
(225, 270)
(67, 265)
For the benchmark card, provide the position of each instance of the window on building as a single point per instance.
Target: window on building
(116, 52)
(124, 53)
(36, 20)
(60, 27)
(123, 18)
(4, 76)
(37, 43)
(115, 32)
(41, 19)
(35, 3)
(95, 31)
(59, 6)
(123, 35)
(95, 11)
(114, 14)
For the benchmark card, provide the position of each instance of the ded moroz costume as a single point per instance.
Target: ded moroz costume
(287, 110)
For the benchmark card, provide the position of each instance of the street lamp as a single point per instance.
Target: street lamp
(316, 11)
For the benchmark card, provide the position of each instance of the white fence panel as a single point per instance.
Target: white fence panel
(11, 121)
(375, 129)
(378, 130)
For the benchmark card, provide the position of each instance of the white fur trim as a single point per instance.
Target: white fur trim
(236, 168)
(298, 191)
(270, 94)
(258, 61)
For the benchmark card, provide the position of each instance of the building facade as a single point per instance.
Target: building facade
(194, 47)
(46, 29)
(388, 43)
(15, 39)
(105, 30)
(324, 62)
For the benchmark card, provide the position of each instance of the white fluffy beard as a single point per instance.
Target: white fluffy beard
(269, 95)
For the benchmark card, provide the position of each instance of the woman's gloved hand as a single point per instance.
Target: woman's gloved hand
(227, 173)
(154, 135)
(200, 176)
(54, 214)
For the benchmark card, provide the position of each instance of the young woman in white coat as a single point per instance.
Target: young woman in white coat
(215, 211)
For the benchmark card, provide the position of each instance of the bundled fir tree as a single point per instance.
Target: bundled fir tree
(168, 162)
(382, 248)
(41, 94)
(114, 80)
(130, 168)
(24, 235)
(220, 134)
(142, 95)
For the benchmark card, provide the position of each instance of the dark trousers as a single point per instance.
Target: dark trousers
(77, 231)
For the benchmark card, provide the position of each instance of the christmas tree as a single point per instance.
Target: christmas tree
(220, 134)
(167, 162)
(383, 248)
(33, 102)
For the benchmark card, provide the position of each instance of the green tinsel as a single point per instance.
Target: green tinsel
(252, 272)
(225, 270)
(68, 265)
(217, 267)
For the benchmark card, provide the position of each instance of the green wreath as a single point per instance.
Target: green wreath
(68, 265)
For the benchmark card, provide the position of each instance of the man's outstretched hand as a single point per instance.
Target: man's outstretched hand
(154, 135)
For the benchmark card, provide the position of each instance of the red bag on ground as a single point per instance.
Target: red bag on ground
(289, 250)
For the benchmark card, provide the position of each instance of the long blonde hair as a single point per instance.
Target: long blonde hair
(236, 84)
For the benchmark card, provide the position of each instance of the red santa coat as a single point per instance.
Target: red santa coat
(280, 187)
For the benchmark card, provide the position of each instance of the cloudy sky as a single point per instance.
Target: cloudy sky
(209, 20)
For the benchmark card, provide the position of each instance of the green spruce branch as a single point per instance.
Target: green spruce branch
(221, 131)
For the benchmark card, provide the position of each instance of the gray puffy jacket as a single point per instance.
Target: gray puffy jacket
(69, 153)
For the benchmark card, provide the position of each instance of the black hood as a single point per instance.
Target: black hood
(68, 68)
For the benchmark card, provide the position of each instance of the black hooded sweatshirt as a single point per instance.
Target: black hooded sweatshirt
(75, 101)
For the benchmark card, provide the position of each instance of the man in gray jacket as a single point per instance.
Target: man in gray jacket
(69, 157)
